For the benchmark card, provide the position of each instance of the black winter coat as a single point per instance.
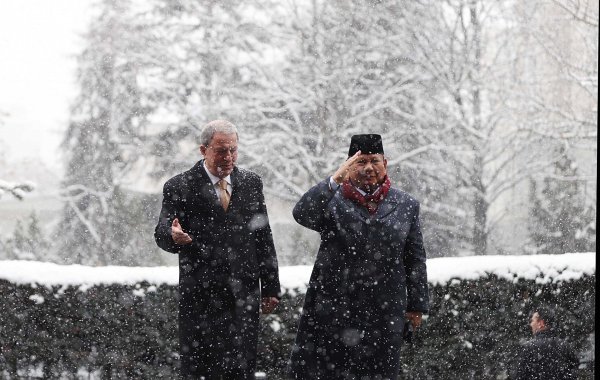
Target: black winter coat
(223, 273)
(368, 272)
(546, 357)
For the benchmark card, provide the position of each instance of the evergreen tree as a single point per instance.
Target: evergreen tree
(560, 220)
(17, 245)
(101, 140)
(27, 243)
(37, 242)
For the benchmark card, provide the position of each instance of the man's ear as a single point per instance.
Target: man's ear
(203, 150)
(384, 162)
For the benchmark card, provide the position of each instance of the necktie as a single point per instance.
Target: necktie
(223, 194)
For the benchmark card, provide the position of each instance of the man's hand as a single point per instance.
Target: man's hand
(342, 174)
(179, 237)
(268, 304)
(415, 318)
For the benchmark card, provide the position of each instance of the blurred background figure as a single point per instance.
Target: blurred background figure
(545, 356)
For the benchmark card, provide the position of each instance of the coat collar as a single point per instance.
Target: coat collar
(547, 333)
(213, 178)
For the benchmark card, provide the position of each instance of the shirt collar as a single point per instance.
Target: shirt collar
(213, 178)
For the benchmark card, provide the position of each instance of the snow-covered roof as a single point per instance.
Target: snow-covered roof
(544, 268)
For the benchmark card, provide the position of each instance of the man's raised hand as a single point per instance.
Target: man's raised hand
(342, 174)
(179, 237)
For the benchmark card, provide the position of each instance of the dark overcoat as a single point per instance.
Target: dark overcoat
(223, 273)
(369, 270)
(546, 357)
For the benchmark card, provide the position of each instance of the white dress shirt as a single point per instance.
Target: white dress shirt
(214, 179)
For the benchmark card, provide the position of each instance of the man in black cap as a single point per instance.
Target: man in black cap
(369, 277)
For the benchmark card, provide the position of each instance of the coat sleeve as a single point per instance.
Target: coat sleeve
(571, 360)
(416, 269)
(310, 211)
(168, 212)
(522, 369)
(266, 255)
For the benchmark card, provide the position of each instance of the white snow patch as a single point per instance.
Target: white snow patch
(544, 268)
(275, 326)
(50, 274)
(295, 277)
(37, 298)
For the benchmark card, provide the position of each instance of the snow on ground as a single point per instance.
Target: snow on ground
(440, 271)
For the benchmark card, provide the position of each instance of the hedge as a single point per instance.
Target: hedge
(116, 331)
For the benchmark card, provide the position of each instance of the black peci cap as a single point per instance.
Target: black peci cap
(367, 144)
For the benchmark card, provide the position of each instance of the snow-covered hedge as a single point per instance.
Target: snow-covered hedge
(121, 322)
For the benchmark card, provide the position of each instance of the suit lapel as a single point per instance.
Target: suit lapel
(387, 205)
(206, 190)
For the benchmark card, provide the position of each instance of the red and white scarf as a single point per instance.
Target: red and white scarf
(370, 201)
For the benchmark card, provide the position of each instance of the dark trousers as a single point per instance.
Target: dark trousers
(211, 338)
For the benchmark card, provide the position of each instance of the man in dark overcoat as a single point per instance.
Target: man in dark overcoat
(214, 216)
(546, 356)
(369, 277)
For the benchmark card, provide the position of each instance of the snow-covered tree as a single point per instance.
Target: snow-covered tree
(101, 142)
(561, 218)
(467, 48)
(17, 190)
(561, 50)
(196, 55)
(560, 94)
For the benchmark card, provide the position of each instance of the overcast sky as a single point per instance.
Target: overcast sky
(39, 40)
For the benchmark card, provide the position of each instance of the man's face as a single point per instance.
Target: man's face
(536, 323)
(221, 154)
(369, 171)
